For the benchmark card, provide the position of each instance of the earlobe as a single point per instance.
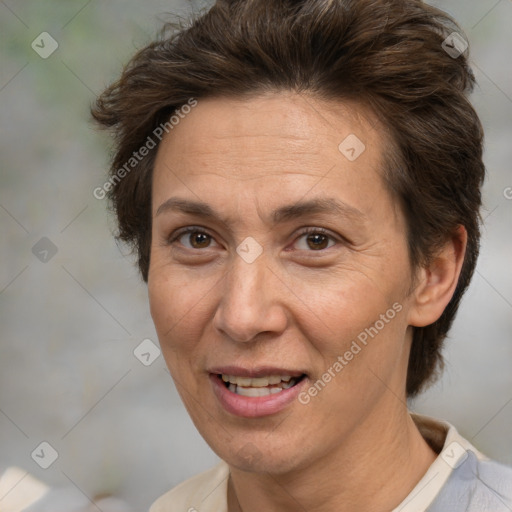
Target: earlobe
(437, 282)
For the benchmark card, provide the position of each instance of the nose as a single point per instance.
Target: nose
(252, 302)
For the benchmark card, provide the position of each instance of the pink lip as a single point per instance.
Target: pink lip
(259, 371)
(253, 407)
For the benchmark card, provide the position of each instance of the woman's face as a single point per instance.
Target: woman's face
(248, 294)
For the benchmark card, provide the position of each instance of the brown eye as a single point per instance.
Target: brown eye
(199, 240)
(316, 240)
(196, 238)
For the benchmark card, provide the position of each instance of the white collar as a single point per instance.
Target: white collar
(453, 452)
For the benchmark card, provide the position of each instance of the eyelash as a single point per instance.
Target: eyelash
(305, 231)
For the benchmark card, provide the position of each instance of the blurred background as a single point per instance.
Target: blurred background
(73, 309)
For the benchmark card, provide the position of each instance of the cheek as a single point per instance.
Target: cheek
(179, 305)
(363, 322)
(348, 301)
(370, 350)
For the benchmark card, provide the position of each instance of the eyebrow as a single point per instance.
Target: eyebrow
(321, 205)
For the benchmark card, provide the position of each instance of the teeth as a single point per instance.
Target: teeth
(252, 391)
(259, 382)
(260, 386)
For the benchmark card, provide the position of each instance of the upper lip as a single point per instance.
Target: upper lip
(255, 372)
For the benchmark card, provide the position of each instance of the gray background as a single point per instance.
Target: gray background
(69, 326)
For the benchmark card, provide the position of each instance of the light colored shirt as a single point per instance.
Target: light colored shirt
(22, 492)
(19, 489)
(461, 479)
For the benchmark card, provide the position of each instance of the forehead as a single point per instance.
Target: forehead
(279, 139)
(277, 120)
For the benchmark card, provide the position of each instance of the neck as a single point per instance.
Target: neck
(374, 471)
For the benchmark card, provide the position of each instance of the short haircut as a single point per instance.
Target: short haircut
(390, 55)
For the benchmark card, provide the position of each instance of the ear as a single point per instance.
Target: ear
(437, 282)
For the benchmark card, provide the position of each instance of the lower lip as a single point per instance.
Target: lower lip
(253, 407)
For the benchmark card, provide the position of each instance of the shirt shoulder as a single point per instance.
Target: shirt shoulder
(476, 486)
(205, 492)
(461, 479)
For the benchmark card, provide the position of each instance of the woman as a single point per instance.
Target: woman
(301, 182)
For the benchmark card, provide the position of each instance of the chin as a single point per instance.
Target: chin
(266, 465)
(260, 456)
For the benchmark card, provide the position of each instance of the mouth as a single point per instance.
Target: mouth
(256, 393)
(259, 386)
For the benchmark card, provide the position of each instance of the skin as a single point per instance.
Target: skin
(295, 306)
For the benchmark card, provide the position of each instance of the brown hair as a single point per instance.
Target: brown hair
(387, 54)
